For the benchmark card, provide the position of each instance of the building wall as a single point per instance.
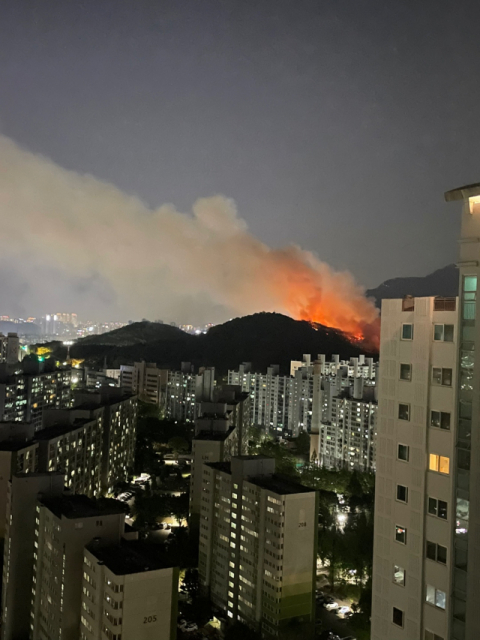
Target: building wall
(421, 396)
(139, 605)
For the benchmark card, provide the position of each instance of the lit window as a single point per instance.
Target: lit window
(399, 575)
(439, 463)
(435, 597)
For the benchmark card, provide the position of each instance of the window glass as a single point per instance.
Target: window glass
(402, 493)
(397, 617)
(403, 452)
(406, 372)
(400, 534)
(399, 575)
(470, 283)
(444, 420)
(407, 331)
(447, 377)
(432, 506)
(462, 508)
(433, 463)
(448, 332)
(404, 412)
(438, 331)
(431, 550)
(430, 594)
(444, 466)
(440, 599)
(436, 375)
(442, 509)
(435, 419)
(441, 554)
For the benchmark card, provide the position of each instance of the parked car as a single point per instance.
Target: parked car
(330, 606)
(342, 611)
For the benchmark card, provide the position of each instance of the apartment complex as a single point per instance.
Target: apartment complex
(292, 404)
(129, 592)
(185, 390)
(258, 534)
(346, 437)
(93, 442)
(145, 380)
(29, 389)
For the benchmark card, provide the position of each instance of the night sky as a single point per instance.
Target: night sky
(336, 125)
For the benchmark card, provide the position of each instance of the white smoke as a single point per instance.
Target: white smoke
(68, 232)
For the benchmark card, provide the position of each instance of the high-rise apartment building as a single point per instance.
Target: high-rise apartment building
(258, 534)
(221, 431)
(26, 392)
(20, 551)
(415, 506)
(101, 425)
(186, 389)
(426, 559)
(292, 404)
(145, 380)
(346, 437)
(64, 525)
(9, 348)
(129, 592)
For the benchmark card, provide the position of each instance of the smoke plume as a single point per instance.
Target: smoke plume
(65, 231)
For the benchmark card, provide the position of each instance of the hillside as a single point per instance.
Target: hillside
(262, 338)
(443, 282)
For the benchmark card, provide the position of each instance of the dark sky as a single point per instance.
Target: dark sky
(334, 124)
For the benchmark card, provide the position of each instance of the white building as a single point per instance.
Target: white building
(185, 390)
(145, 380)
(292, 404)
(129, 591)
(258, 535)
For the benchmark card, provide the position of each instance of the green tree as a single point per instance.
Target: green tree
(240, 631)
(302, 444)
(178, 444)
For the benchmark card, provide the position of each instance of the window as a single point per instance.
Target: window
(440, 419)
(402, 493)
(436, 552)
(443, 332)
(437, 508)
(444, 304)
(429, 635)
(397, 617)
(442, 377)
(403, 452)
(408, 303)
(407, 331)
(436, 597)
(406, 372)
(404, 411)
(399, 576)
(441, 464)
(400, 534)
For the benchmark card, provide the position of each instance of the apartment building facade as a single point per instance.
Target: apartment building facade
(145, 380)
(415, 506)
(128, 592)
(258, 536)
(185, 390)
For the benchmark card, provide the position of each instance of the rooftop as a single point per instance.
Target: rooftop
(130, 557)
(213, 435)
(79, 506)
(57, 430)
(281, 485)
(461, 193)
